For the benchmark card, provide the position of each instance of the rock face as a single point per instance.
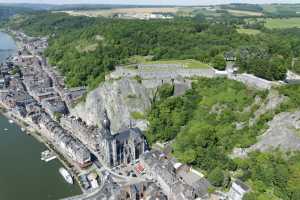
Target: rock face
(283, 133)
(125, 100)
(120, 98)
(273, 100)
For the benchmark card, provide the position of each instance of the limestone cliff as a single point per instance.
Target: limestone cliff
(283, 133)
(121, 99)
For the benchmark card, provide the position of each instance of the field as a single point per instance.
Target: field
(248, 31)
(270, 8)
(189, 63)
(110, 12)
(282, 9)
(241, 13)
(283, 23)
(193, 64)
(181, 11)
(191, 11)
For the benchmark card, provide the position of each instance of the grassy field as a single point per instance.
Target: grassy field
(192, 11)
(282, 9)
(283, 23)
(111, 12)
(189, 63)
(242, 13)
(193, 64)
(270, 8)
(248, 31)
(180, 11)
(212, 11)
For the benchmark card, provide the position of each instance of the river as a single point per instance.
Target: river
(22, 174)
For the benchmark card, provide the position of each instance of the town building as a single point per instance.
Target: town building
(229, 56)
(238, 190)
(177, 182)
(122, 148)
(54, 107)
(63, 140)
(73, 94)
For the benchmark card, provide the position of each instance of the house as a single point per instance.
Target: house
(54, 106)
(177, 182)
(63, 140)
(2, 83)
(229, 56)
(194, 179)
(238, 190)
(292, 78)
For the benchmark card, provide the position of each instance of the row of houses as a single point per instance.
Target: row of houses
(64, 140)
(181, 182)
(113, 149)
(176, 180)
(21, 96)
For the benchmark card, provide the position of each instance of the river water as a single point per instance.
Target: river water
(23, 176)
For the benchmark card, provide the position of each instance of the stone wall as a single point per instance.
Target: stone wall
(160, 72)
(252, 81)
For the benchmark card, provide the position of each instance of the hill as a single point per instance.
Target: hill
(99, 44)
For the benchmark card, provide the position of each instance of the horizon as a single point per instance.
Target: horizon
(149, 2)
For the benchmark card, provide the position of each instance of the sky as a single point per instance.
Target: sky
(150, 2)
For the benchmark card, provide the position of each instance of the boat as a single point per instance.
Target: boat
(11, 121)
(47, 156)
(66, 175)
(6, 129)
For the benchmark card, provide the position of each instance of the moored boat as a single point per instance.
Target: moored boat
(48, 156)
(67, 176)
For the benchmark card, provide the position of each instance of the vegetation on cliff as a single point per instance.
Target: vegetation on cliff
(273, 175)
(212, 118)
(204, 122)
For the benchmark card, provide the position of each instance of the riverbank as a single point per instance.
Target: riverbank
(35, 132)
(8, 32)
(23, 171)
(33, 129)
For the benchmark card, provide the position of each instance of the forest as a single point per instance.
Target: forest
(8, 11)
(271, 175)
(212, 118)
(204, 122)
(85, 49)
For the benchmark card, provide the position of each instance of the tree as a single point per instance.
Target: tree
(219, 62)
(57, 116)
(165, 91)
(250, 196)
(278, 68)
(296, 65)
(216, 177)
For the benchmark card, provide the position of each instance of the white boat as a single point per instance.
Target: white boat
(67, 176)
(47, 156)
(11, 121)
(6, 129)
